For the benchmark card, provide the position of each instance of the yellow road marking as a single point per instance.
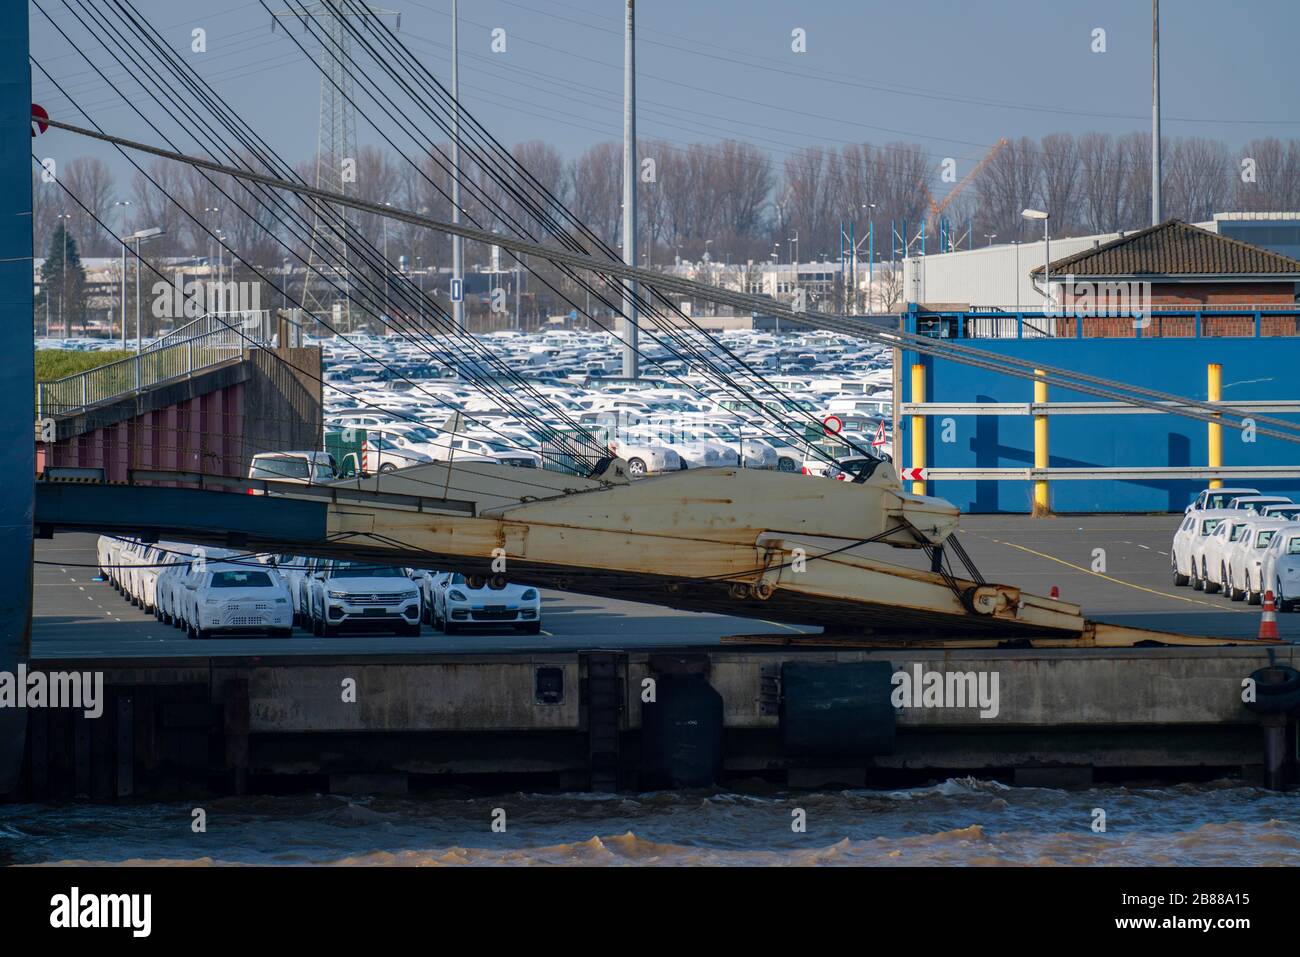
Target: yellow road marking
(1117, 581)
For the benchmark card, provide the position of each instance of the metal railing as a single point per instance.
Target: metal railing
(201, 344)
(1162, 321)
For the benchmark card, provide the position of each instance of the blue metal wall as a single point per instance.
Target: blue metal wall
(1253, 368)
(17, 375)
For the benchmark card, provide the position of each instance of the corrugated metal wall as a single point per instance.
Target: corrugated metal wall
(1252, 369)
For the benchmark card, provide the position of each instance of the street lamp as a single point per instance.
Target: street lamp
(1047, 250)
(63, 292)
(215, 211)
(124, 203)
(990, 237)
(138, 237)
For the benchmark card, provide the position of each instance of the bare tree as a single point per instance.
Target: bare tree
(91, 181)
(1101, 168)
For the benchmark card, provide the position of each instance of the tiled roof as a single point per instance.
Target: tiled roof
(1174, 248)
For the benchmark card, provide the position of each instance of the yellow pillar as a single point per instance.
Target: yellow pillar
(918, 425)
(1041, 500)
(1214, 392)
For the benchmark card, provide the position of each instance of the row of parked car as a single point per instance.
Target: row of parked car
(208, 591)
(1239, 543)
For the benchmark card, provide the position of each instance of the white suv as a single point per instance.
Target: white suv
(347, 595)
(236, 598)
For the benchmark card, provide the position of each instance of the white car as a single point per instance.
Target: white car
(237, 598)
(1289, 512)
(385, 453)
(644, 457)
(1281, 567)
(1253, 503)
(1214, 550)
(300, 468)
(348, 595)
(1245, 560)
(1212, 498)
(697, 452)
(160, 557)
(1184, 555)
(479, 601)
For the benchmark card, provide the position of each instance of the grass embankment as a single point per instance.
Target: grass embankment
(57, 363)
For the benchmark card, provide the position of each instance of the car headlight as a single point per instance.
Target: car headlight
(337, 594)
(529, 595)
(212, 601)
(411, 596)
(456, 595)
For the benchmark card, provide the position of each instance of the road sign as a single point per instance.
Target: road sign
(39, 116)
(832, 429)
(879, 440)
(912, 475)
(458, 290)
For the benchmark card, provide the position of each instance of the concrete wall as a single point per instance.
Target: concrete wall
(214, 422)
(1253, 369)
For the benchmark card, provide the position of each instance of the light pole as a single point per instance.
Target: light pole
(213, 212)
(124, 203)
(387, 305)
(1016, 243)
(63, 292)
(138, 237)
(1047, 250)
(990, 237)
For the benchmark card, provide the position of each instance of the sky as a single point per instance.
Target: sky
(952, 75)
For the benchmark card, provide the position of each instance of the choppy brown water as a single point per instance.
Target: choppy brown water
(960, 822)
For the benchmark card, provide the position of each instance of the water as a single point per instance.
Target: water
(959, 822)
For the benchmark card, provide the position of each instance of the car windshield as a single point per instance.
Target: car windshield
(248, 579)
(273, 468)
(364, 570)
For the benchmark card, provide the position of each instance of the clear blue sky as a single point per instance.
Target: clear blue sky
(953, 75)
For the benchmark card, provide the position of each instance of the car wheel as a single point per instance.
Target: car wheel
(450, 628)
(388, 467)
(1253, 597)
(1281, 602)
(1207, 586)
(327, 630)
(410, 631)
(315, 626)
(532, 628)
(202, 635)
(1198, 583)
(784, 464)
(1179, 578)
(636, 468)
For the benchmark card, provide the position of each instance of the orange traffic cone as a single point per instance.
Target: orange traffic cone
(1268, 620)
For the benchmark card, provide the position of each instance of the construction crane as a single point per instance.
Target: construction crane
(937, 208)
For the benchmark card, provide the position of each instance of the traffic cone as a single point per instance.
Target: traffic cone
(1268, 620)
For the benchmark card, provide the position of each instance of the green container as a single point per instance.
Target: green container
(345, 446)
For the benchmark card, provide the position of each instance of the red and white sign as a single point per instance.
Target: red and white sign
(879, 440)
(830, 429)
(39, 116)
(912, 475)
